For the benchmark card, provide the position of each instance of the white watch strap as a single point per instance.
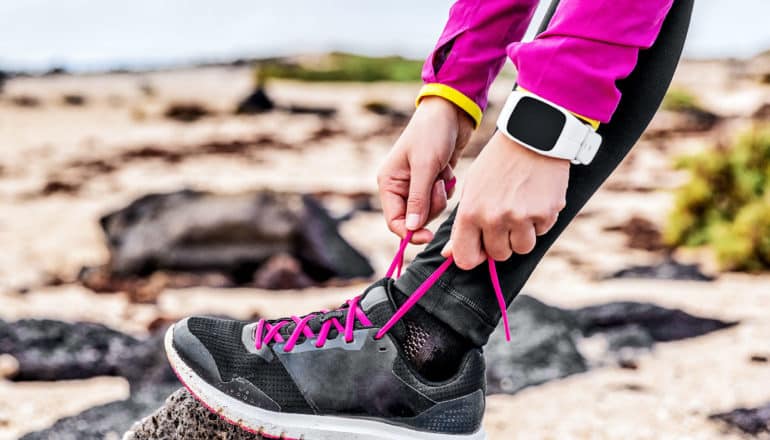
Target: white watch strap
(588, 148)
(578, 142)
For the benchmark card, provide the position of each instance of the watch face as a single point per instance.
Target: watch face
(536, 123)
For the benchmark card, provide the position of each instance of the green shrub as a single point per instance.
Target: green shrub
(679, 100)
(726, 203)
(344, 67)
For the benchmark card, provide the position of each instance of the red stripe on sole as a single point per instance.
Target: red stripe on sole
(222, 416)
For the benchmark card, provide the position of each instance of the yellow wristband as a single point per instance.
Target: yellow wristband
(454, 96)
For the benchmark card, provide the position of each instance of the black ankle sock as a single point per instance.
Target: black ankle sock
(434, 349)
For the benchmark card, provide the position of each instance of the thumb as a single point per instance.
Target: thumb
(418, 202)
(446, 251)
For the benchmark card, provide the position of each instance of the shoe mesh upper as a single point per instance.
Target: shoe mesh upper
(222, 338)
(416, 338)
(469, 379)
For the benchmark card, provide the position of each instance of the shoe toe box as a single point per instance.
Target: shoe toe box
(213, 349)
(193, 351)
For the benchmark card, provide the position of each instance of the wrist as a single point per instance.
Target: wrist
(519, 152)
(468, 108)
(547, 129)
(442, 107)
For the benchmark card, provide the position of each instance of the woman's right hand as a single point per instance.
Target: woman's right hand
(412, 179)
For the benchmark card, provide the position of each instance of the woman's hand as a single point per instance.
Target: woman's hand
(412, 179)
(510, 196)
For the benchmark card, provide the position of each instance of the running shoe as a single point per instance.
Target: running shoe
(326, 375)
(333, 375)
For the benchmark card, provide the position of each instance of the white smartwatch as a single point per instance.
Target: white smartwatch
(547, 128)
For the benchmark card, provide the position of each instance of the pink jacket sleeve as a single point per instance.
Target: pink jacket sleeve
(587, 47)
(471, 50)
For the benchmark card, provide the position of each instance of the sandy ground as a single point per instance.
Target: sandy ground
(52, 235)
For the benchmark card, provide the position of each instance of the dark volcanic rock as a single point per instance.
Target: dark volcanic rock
(322, 112)
(385, 109)
(542, 347)
(281, 272)
(147, 289)
(698, 120)
(660, 323)
(257, 102)
(753, 421)
(27, 101)
(186, 111)
(146, 366)
(642, 234)
(667, 270)
(182, 417)
(108, 421)
(55, 350)
(60, 350)
(762, 113)
(544, 339)
(235, 234)
(629, 336)
(75, 100)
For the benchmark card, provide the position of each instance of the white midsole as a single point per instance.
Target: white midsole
(298, 426)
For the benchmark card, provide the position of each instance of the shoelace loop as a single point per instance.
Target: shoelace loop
(398, 263)
(267, 332)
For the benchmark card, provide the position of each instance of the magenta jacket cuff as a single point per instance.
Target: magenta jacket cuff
(587, 47)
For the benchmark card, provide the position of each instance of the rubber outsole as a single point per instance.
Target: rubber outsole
(286, 426)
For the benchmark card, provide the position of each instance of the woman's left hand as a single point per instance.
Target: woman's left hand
(511, 195)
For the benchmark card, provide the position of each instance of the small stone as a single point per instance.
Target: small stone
(281, 272)
(753, 421)
(9, 366)
(668, 269)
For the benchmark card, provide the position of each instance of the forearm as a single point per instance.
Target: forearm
(588, 46)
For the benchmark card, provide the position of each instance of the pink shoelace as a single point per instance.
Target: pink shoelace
(267, 332)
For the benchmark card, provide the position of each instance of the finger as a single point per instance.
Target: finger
(420, 188)
(543, 226)
(466, 245)
(497, 243)
(523, 238)
(438, 199)
(446, 251)
(394, 209)
(422, 236)
(447, 174)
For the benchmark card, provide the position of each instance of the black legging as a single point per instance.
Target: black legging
(464, 299)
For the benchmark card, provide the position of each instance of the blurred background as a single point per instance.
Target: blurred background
(162, 159)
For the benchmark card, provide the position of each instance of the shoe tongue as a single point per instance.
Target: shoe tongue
(377, 302)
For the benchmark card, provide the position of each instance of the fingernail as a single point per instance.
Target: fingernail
(446, 248)
(412, 221)
(443, 188)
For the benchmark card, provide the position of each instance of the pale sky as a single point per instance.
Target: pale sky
(88, 34)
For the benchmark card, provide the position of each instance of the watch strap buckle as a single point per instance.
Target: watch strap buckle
(589, 146)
